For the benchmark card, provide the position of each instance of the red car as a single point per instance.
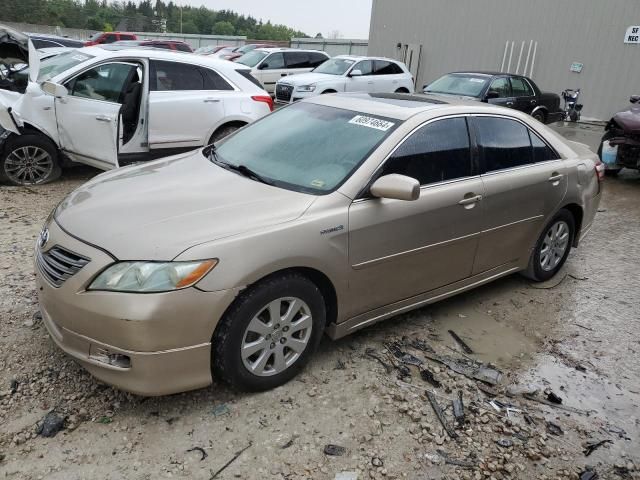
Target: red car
(100, 38)
(246, 48)
(175, 45)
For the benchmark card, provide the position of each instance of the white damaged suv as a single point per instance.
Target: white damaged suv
(347, 73)
(109, 107)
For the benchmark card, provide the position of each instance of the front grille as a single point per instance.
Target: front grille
(59, 264)
(284, 92)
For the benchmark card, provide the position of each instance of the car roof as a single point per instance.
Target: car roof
(106, 52)
(402, 106)
(488, 73)
(286, 49)
(363, 57)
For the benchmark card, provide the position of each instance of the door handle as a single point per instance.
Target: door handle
(555, 177)
(284, 74)
(509, 104)
(103, 118)
(470, 200)
(211, 100)
(533, 102)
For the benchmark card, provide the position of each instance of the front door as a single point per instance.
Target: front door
(270, 70)
(185, 103)
(89, 116)
(499, 93)
(399, 249)
(363, 82)
(524, 182)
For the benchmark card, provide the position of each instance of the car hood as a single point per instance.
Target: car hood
(629, 119)
(14, 46)
(157, 210)
(308, 78)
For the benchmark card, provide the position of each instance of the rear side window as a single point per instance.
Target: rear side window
(213, 81)
(110, 38)
(520, 87)
(297, 59)
(247, 74)
(437, 152)
(503, 143)
(383, 67)
(168, 76)
(316, 59)
(125, 36)
(541, 151)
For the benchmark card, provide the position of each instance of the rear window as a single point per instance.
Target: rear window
(247, 74)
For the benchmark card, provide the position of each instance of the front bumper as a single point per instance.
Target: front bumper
(165, 337)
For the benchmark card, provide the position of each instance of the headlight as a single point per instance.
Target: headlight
(306, 88)
(152, 276)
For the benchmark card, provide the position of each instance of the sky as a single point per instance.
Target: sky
(349, 17)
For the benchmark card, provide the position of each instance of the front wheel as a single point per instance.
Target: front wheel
(29, 159)
(552, 248)
(269, 333)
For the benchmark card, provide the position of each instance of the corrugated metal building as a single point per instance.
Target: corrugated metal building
(544, 39)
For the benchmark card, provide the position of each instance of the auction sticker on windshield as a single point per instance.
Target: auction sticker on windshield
(371, 122)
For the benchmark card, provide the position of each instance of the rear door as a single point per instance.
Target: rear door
(185, 102)
(364, 82)
(88, 117)
(523, 95)
(297, 62)
(524, 183)
(386, 76)
(270, 70)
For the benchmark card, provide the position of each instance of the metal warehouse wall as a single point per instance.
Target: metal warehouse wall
(471, 34)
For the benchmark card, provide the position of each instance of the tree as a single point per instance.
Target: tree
(223, 28)
(189, 27)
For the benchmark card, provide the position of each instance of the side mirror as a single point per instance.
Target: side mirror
(55, 89)
(355, 73)
(397, 187)
(492, 94)
(634, 98)
(263, 66)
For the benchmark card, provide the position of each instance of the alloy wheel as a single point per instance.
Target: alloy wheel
(28, 165)
(277, 336)
(554, 245)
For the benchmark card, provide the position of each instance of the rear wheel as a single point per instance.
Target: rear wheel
(29, 159)
(540, 116)
(269, 333)
(553, 247)
(402, 90)
(223, 132)
(328, 91)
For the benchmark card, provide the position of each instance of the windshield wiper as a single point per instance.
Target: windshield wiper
(241, 169)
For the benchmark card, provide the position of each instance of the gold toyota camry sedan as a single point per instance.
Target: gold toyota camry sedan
(326, 216)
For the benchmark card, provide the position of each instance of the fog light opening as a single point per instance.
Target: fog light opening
(114, 359)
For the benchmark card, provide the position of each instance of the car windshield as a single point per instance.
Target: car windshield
(252, 58)
(335, 66)
(207, 49)
(306, 147)
(246, 49)
(53, 66)
(459, 84)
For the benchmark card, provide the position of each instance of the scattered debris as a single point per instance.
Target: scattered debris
(589, 447)
(458, 408)
(440, 414)
(201, 450)
(421, 345)
(377, 462)
(461, 342)
(50, 425)
(529, 419)
(549, 287)
(13, 386)
(288, 443)
(428, 377)
(226, 465)
(411, 360)
(456, 461)
(470, 369)
(553, 398)
(220, 410)
(575, 277)
(505, 443)
(370, 352)
(105, 420)
(515, 390)
(340, 365)
(554, 429)
(334, 450)
(589, 475)
(488, 375)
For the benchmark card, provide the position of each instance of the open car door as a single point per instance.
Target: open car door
(89, 115)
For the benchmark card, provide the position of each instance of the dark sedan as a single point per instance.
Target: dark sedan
(507, 90)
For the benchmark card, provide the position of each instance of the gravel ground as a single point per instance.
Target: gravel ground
(575, 336)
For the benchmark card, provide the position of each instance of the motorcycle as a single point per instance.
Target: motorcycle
(620, 145)
(572, 108)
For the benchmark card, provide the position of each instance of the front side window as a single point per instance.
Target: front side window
(503, 143)
(105, 82)
(366, 67)
(275, 61)
(297, 59)
(501, 87)
(110, 38)
(437, 152)
(520, 87)
(306, 147)
(125, 36)
(171, 76)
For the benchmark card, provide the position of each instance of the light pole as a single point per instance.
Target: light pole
(180, 18)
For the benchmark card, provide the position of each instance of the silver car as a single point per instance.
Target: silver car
(327, 216)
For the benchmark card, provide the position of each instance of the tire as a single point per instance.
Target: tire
(223, 132)
(328, 92)
(29, 159)
(402, 90)
(251, 313)
(612, 172)
(540, 116)
(536, 270)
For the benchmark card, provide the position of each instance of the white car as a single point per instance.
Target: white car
(269, 65)
(347, 73)
(109, 106)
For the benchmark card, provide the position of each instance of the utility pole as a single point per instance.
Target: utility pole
(180, 18)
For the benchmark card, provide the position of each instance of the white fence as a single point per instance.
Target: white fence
(195, 40)
(332, 47)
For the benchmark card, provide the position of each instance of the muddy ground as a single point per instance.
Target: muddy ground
(577, 336)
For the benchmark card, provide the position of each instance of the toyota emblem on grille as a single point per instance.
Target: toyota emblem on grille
(44, 237)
